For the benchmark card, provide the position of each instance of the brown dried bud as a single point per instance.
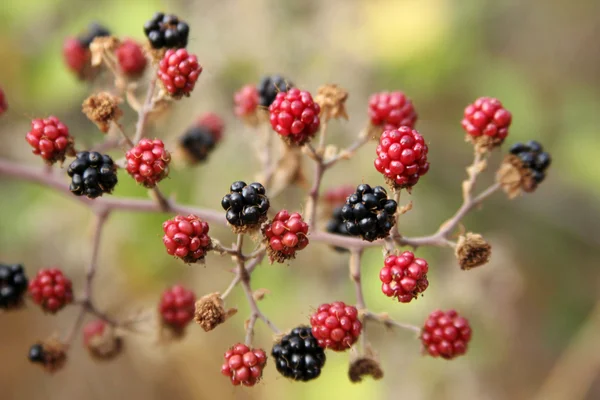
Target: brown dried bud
(51, 354)
(514, 177)
(362, 367)
(472, 251)
(210, 311)
(102, 108)
(101, 341)
(332, 100)
(483, 143)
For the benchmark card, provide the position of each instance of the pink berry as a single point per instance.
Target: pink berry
(445, 334)
(295, 116)
(244, 365)
(285, 235)
(131, 58)
(51, 290)
(391, 110)
(336, 326)
(404, 277)
(179, 71)
(148, 162)
(186, 238)
(177, 306)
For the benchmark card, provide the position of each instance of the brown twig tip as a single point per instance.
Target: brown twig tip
(514, 177)
(472, 251)
(102, 109)
(332, 100)
(364, 366)
(210, 311)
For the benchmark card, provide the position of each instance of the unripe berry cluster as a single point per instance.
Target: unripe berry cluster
(336, 326)
(285, 235)
(295, 116)
(187, 238)
(50, 139)
(404, 277)
(391, 110)
(51, 289)
(178, 72)
(446, 334)
(148, 162)
(176, 307)
(243, 365)
(486, 120)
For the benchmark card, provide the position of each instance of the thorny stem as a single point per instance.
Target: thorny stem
(146, 109)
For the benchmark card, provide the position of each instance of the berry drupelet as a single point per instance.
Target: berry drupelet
(298, 355)
(533, 158)
(131, 58)
(201, 138)
(246, 206)
(269, 87)
(391, 110)
(243, 365)
(166, 31)
(176, 308)
(13, 285)
(178, 71)
(402, 157)
(368, 213)
(50, 139)
(294, 116)
(148, 162)
(404, 277)
(187, 238)
(336, 326)
(285, 235)
(445, 334)
(337, 225)
(486, 122)
(92, 174)
(51, 289)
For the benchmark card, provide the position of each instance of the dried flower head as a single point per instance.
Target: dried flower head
(363, 366)
(100, 45)
(472, 251)
(210, 311)
(102, 109)
(332, 100)
(514, 177)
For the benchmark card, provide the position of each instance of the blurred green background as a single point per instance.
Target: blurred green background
(540, 57)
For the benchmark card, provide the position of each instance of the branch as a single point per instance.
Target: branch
(390, 323)
(145, 110)
(355, 275)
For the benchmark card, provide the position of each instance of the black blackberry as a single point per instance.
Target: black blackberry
(13, 285)
(337, 226)
(269, 86)
(368, 213)
(92, 174)
(94, 30)
(166, 31)
(197, 142)
(298, 355)
(533, 157)
(36, 354)
(246, 205)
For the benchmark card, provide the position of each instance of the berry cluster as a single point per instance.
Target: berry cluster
(187, 238)
(51, 289)
(178, 71)
(50, 139)
(486, 122)
(92, 174)
(295, 116)
(246, 100)
(391, 110)
(368, 213)
(148, 162)
(402, 157)
(269, 87)
(446, 334)
(336, 326)
(131, 58)
(533, 158)
(13, 285)
(404, 277)
(246, 206)
(298, 355)
(3, 104)
(201, 138)
(337, 225)
(286, 234)
(166, 31)
(176, 308)
(76, 51)
(244, 365)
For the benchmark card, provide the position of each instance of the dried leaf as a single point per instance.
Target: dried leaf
(260, 294)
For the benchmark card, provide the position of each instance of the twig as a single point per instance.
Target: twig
(75, 328)
(363, 139)
(323, 135)
(390, 323)
(355, 256)
(313, 199)
(145, 110)
(120, 129)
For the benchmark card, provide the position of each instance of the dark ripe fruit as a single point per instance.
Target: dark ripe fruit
(298, 355)
(92, 174)
(368, 213)
(166, 31)
(13, 286)
(36, 353)
(532, 158)
(269, 87)
(246, 205)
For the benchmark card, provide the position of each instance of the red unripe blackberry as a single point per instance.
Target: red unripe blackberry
(131, 57)
(295, 116)
(148, 162)
(285, 235)
(337, 195)
(186, 238)
(3, 105)
(176, 307)
(76, 56)
(246, 101)
(214, 123)
(391, 110)
(51, 289)
(178, 72)
(336, 326)
(243, 365)
(402, 157)
(446, 334)
(404, 276)
(13, 285)
(50, 139)
(487, 119)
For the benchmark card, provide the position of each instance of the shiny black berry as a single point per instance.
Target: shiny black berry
(13, 285)
(166, 31)
(337, 226)
(269, 86)
(92, 174)
(298, 355)
(36, 354)
(532, 157)
(197, 143)
(246, 205)
(94, 30)
(368, 213)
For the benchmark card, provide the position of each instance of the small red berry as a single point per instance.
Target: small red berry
(244, 365)
(76, 56)
(176, 307)
(402, 157)
(285, 235)
(246, 101)
(486, 120)
(404, 277)
(295, 116)
(132, 60)
(148, 162)
(179, 71)
(50, 139)
(187, 238)
(336, 326)
(446, 334)
(213, 123)
(51, 290)
(3, 105)
(338, 194)
(391, 110)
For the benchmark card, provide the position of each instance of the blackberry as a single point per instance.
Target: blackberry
(166, 31)
(36, 354)
(532, 157)
(13, 285)
(269, 86)
(92, 174)
(368, 213)
(196, 143)
(337, 226)
(298, 355)
(246, 206)
(94, 30)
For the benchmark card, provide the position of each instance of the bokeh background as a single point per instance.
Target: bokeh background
(530, 306)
